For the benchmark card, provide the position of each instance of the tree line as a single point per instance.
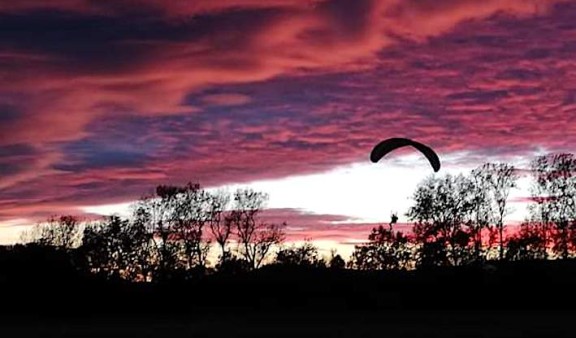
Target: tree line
(460, 219)
(456, 220)
(170, 234)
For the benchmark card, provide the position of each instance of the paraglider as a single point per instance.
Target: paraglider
(386, 146)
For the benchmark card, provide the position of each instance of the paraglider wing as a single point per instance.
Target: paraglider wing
(386, 146)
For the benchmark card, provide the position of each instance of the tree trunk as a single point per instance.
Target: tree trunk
(479, 244)
(501, 230)
(564, 242)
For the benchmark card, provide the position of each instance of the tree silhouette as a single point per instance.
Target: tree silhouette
(117, 248)
(176, 217)
(554, 191)
(527, 244)
(386, 249)
(303, 255)
(192, 211)
(170, 232)
(336, 261)
(482, 211)
(255, 239)
(221, 222)
(497, 179)
(63, 232)
(153, 213)
(442, 211)
(231, 264)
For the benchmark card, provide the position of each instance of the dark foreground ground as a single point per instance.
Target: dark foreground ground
(533, 323)
(536, 299)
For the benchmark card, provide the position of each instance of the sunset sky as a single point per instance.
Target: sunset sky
(101, 100)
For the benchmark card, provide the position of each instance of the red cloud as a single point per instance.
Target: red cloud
(342, 229)
(308, 36)
(173, 8)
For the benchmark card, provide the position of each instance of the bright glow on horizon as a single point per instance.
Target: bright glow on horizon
(370, 193)
(362, 192)
(10, 231)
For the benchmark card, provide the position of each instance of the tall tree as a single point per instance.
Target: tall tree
(498, 180)
(221, 222)
(442, 210)
(255, 239)
(190, 215)
(554, 190)
(154, 214)
(482, 212)
(176, 217)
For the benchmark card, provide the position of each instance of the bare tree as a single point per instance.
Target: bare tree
(190, 214)
(176, 218)
(554, 191)
(63, 232)
(498, 180)
(482, 211)
(153, 213)
(255, 239)
(221, 223)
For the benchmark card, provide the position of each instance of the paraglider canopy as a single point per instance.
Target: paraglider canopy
(391, 144)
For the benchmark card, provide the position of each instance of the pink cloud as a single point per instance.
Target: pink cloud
(342, 229)
(307, 37)
(172, 8)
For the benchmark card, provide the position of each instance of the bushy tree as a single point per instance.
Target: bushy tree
(527, 244)
(385, 249)
(118, 248)
(303, 255)
(442, 212)
(336, 261)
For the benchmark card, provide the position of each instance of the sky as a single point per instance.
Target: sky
(102, 100)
